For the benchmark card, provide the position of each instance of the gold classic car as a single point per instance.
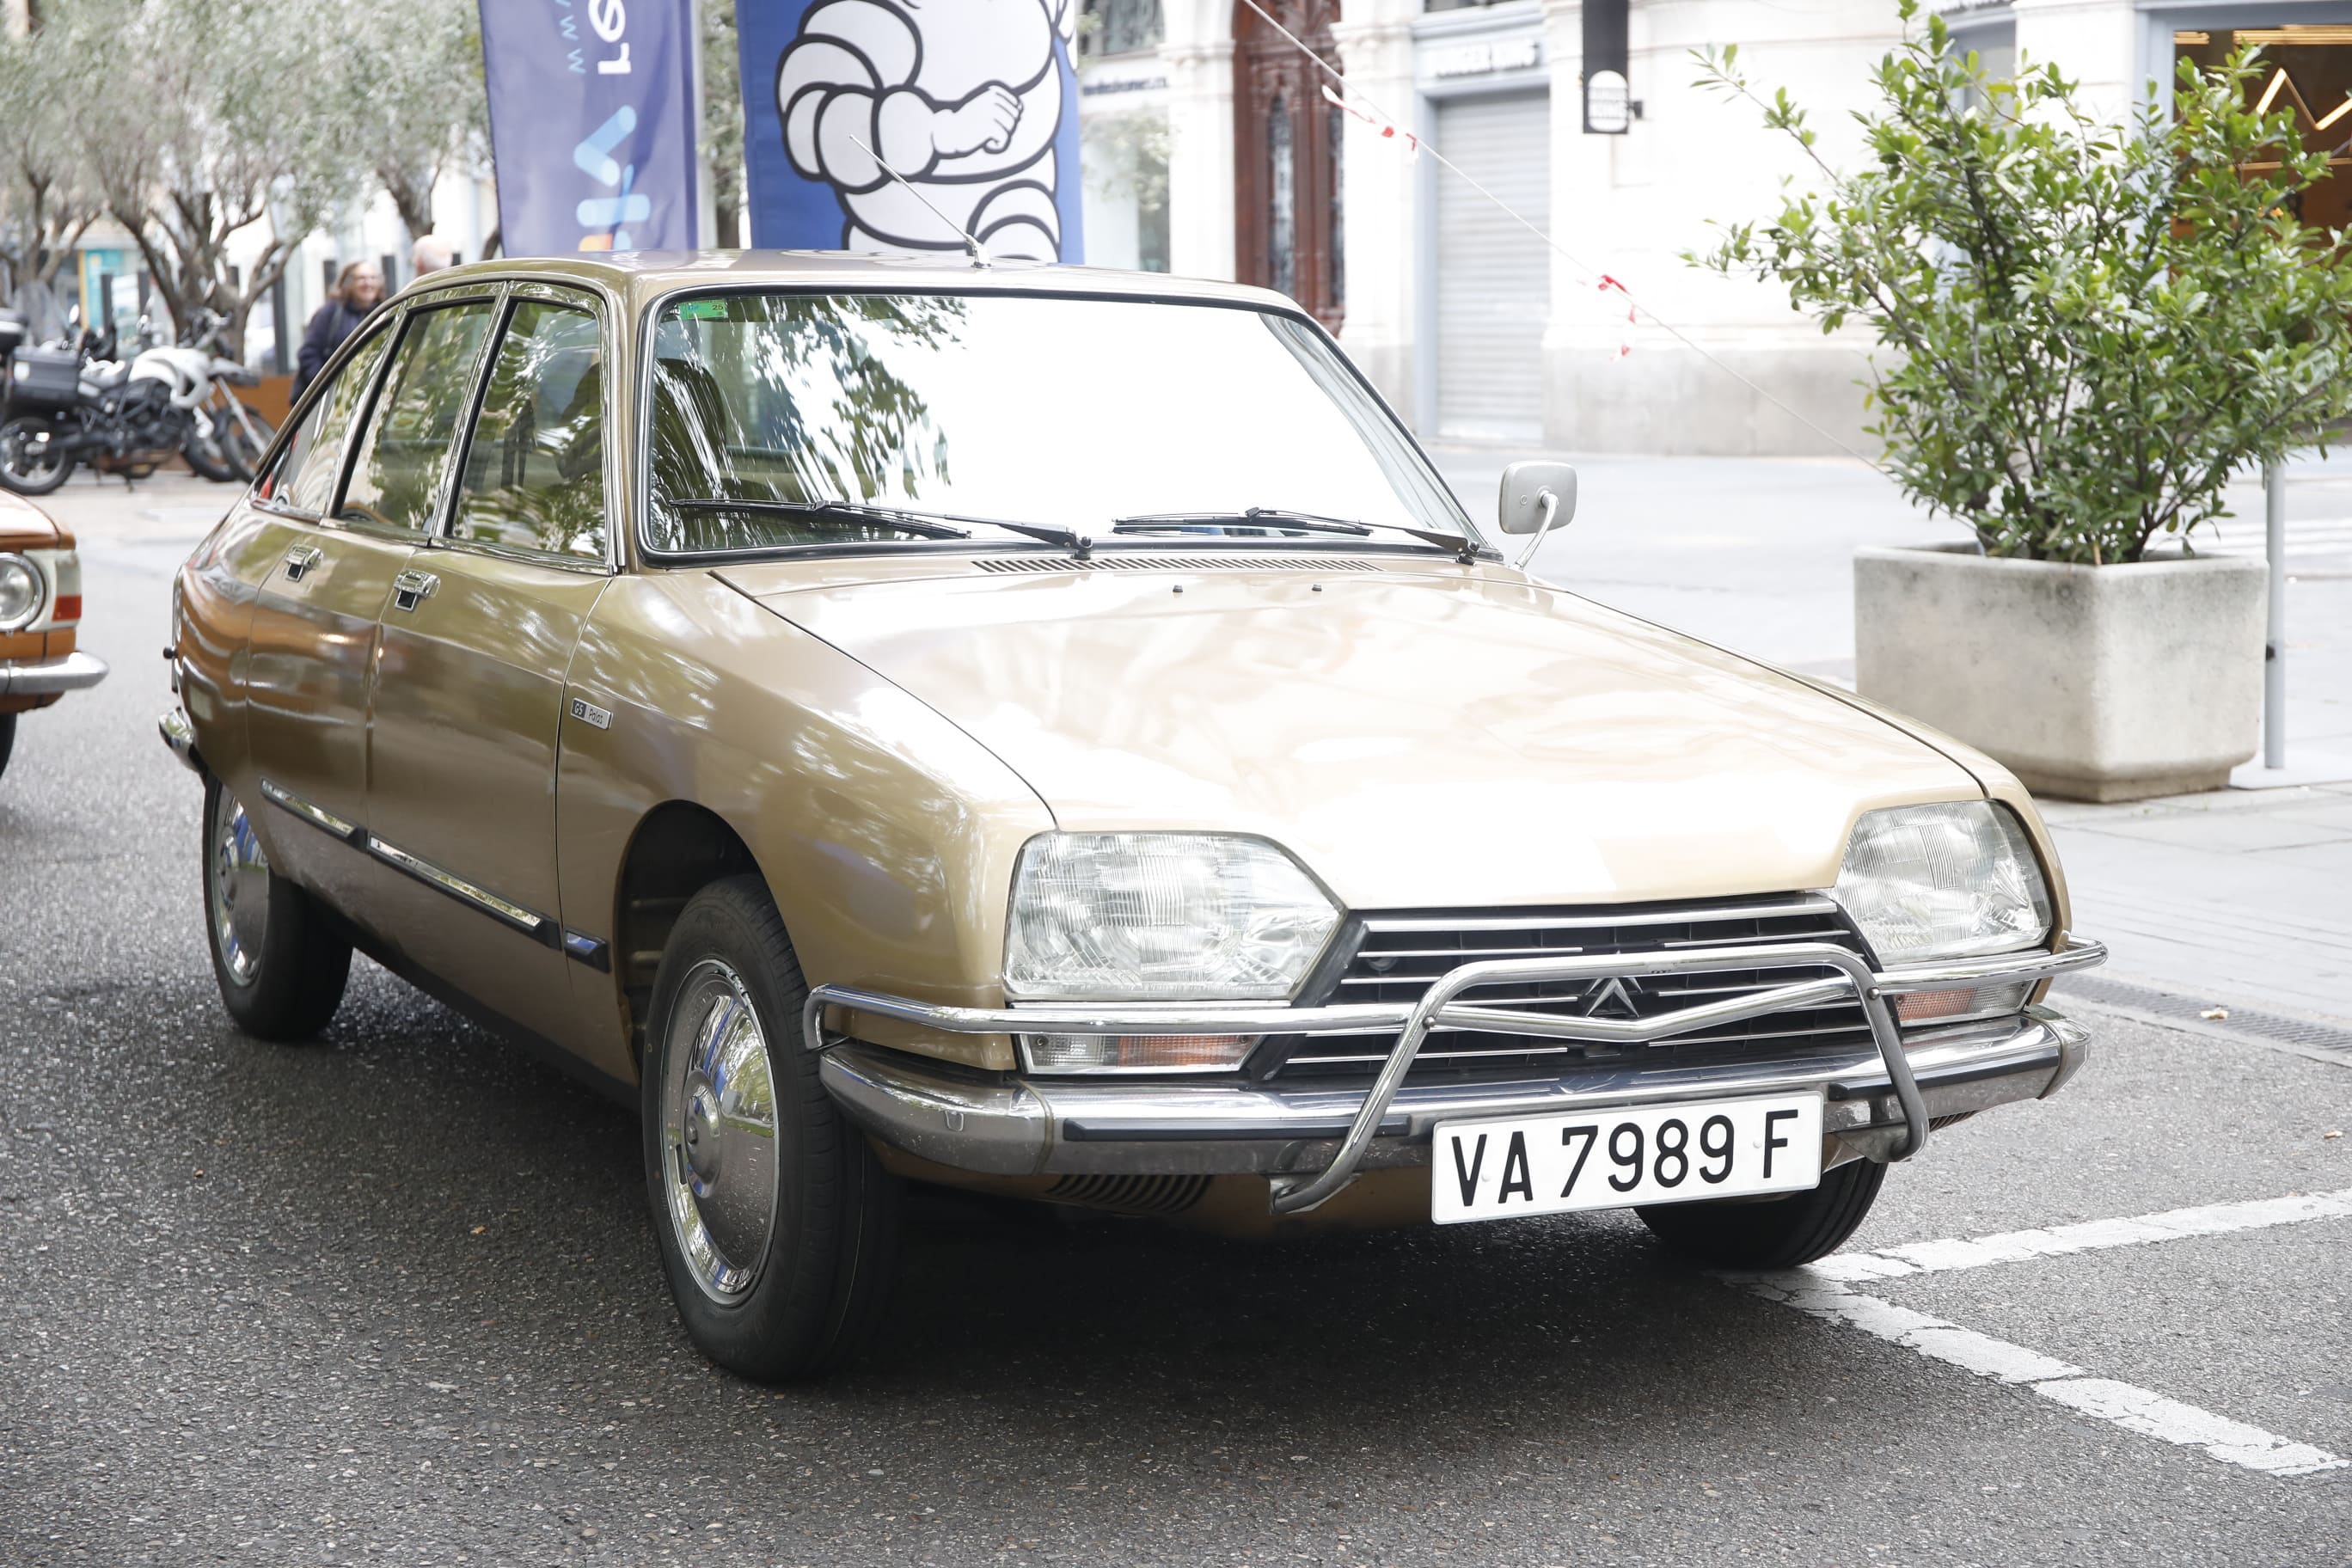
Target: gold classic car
(1052, 732)
(41, 610)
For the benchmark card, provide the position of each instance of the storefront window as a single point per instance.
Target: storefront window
(2308, 70)
(1119, 26)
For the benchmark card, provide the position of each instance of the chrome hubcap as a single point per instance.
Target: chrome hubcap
(239, 891)
(719, 1132)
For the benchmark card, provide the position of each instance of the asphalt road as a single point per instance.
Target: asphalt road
(394, 1298)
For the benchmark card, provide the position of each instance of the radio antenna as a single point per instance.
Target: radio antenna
(971, 241)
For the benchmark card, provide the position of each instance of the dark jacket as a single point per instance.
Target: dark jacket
(334, 321)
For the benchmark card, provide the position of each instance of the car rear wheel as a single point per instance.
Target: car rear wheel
(778, 1228)
(8, 739)
(1772, 1233)
(281, 968)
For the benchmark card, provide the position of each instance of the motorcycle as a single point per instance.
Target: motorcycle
(67, 406)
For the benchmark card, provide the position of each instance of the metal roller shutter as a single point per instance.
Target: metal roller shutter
(1494, 277)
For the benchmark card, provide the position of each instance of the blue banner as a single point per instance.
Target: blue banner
(593, 119)
(974, 104)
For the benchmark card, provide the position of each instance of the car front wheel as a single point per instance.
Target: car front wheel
(778, 1228)
(281, 968)
(1770, 1233)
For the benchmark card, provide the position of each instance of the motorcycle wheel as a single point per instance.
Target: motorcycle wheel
(20, 470)
(208, 451)
(247, 438)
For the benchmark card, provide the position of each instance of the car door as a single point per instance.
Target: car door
(470, 701)
(310, 642)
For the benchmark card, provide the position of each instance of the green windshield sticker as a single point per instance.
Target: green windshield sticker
(703, 309)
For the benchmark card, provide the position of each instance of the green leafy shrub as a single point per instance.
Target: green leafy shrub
(2086, 326)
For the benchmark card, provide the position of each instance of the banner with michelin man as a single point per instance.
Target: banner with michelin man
(974, 104)
(593, 119)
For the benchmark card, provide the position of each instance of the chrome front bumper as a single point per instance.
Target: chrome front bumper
(47, 677)
(1313, 1140)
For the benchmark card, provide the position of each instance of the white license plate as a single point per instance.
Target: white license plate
(1615, 1158)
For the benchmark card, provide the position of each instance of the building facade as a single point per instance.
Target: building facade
(1215, 149)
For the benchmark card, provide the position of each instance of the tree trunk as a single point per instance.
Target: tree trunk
(412, 194)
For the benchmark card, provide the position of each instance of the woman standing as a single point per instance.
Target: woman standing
(358, 289)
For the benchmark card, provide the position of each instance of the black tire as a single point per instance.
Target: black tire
(208, 455)
(8, 739)
(16, 471)
(1772, 1233)
(282, 976)
(244, 450)
(818, 1288)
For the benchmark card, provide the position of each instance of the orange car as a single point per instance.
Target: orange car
(40, 605)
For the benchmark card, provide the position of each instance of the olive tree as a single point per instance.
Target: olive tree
(2085, 326)
(47, 199)
(413, 97)
(205, 117)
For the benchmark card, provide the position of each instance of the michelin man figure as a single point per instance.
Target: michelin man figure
(962, 98)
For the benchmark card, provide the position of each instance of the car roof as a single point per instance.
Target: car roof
(641, 277)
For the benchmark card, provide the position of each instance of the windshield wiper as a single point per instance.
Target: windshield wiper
(924, 524)
(830, 512)
(1277, 517)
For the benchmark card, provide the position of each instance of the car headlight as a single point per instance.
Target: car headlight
(20, 592)
(1162, 916)
(1953, 881)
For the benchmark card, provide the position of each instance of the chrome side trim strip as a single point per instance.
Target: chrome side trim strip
(593, 952)
(531, 924)
(318, 816)
(465, 892)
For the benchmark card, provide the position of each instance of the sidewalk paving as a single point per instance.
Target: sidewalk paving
(2233, 896)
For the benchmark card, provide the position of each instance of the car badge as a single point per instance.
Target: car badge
(1611, 996)
(589, 713)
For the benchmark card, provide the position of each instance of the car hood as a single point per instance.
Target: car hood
(1419, 737)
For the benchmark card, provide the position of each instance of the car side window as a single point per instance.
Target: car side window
(403, 454)
(304, 477)
(534, 474)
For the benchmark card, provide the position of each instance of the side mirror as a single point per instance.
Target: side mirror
(1537, 498)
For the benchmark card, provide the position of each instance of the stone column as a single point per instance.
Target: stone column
(1380, 197)
(1199, 54)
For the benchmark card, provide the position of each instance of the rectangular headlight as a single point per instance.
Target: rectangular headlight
(1168, 917)
(1956, 879)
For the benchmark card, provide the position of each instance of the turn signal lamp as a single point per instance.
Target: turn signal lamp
(1137, 1053)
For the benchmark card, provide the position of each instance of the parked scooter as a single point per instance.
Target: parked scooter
(72, 404)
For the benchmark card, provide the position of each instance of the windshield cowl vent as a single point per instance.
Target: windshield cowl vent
(1190, 560)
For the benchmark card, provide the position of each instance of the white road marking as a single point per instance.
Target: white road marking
(2132, 1408)
(1821, 1290)
(2018, 1245)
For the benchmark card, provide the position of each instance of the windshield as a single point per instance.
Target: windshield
(1070, 413)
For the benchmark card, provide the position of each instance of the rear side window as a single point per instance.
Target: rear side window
(535, 469)
(304, 479)
(403, 455)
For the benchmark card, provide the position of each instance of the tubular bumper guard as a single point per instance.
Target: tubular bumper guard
(989, 1125)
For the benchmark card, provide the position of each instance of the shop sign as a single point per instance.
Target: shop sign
(1484, 58)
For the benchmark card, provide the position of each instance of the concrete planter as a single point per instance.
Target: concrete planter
(2089, 682)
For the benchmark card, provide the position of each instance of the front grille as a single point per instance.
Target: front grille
(1399, 953)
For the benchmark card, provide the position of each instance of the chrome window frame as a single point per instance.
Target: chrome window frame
(491, 292)
(641, 446)
(378, 322)
(576, 296)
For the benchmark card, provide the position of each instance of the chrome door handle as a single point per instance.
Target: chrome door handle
(300, 559)
(411, 589)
